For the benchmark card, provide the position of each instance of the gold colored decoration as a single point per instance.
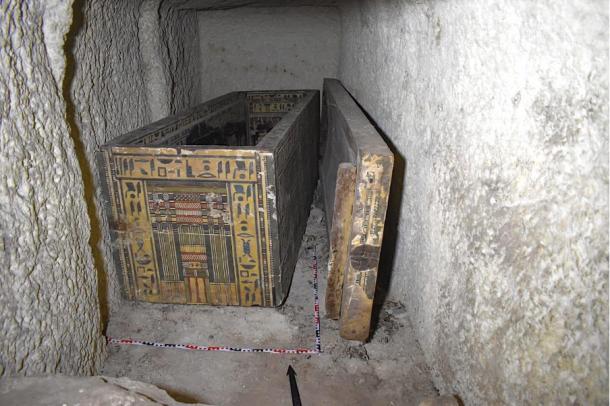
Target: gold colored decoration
(192, 222)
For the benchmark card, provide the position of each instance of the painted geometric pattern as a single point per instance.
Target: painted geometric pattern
(191, 228)
(267, 109)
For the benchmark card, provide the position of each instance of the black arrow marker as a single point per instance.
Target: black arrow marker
(294, 389)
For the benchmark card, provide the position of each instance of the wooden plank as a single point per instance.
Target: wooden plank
(368, 217)
(340, 237)
(350, 137)
(293, 144)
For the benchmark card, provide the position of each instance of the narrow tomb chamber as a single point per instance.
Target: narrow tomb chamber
(175, 173)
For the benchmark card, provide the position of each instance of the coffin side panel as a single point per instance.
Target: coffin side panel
(296, 174)
(340, 237)
(368, 217)
(339, 147)
(113, 209)
(271, 244)
(189, 225)
(350, 137)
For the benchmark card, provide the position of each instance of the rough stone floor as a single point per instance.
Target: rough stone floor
(389, 370)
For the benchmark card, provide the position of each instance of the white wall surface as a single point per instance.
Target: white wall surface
(72, 77)
(267, 48)
(500, 111)
(49, 312)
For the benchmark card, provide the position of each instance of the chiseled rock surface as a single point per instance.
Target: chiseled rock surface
(107, 91)
(500, 110)
(71, 78)
(84, 391)
(49, 318)
(179, 33)
(440, 401)
(134, 62)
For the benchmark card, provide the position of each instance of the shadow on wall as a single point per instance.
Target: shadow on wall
(390, 231)
(95, 236)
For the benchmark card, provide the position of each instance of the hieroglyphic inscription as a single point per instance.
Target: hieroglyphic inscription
(266, 109)
(191, 207)
(243, 209)
(191, 226)
(185, 167)
(137, 236)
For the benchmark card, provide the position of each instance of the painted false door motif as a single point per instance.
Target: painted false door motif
(190, 229)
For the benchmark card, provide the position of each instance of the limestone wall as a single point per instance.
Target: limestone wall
(73, 76)
(107, 96)
(49, 314)
(180, 47)
(134, 62)
(498, 112)
(267, 48)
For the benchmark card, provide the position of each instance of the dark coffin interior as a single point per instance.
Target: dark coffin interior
(238, 119)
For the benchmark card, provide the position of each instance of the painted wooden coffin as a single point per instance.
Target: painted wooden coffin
(209, 206)
(356, 172)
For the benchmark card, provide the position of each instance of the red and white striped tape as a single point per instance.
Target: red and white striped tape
(316, 316)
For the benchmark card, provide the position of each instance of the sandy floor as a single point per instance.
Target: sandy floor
(389, 370)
